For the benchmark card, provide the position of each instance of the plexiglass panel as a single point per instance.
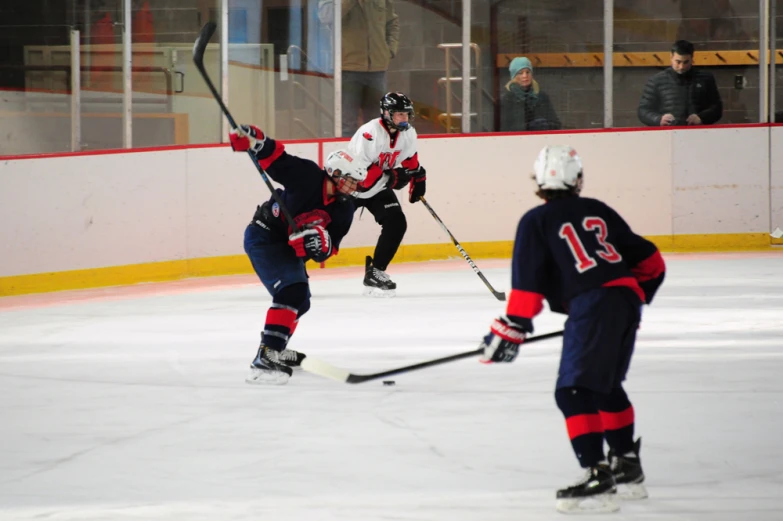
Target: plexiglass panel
(724, 34)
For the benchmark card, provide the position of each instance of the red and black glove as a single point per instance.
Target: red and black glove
(398, 178)
(502, 342)
(313, 243)
(418, 184)
(247, 137)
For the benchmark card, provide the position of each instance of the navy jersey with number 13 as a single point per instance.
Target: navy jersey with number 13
(569, 246)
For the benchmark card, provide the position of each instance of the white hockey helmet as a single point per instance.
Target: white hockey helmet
(342, 163)
(558, 167)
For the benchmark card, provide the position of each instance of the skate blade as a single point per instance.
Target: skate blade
(631, 491)
(369, 291)
(262, 377)
(600, 504)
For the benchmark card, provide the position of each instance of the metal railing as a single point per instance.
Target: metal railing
(74, 90)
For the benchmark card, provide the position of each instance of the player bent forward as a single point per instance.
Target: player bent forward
(319, 202)
(581, 256)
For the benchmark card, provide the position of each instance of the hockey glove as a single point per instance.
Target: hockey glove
(418, 184)
(313, 243)
(247, 137)
(502, 342)
(398, 178)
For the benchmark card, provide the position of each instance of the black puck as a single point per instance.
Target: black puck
(389, 382)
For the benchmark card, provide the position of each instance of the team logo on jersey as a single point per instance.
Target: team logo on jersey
(276, 210)
(388, 159)
(367, 136)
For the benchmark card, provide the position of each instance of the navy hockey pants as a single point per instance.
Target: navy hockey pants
(273, 260)
(599, 339)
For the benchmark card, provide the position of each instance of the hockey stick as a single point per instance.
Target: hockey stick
(198, 58)
(321, 368)
(498, 294)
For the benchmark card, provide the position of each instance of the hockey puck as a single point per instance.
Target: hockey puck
(388, 382)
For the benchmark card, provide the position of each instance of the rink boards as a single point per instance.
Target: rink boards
(96, 219)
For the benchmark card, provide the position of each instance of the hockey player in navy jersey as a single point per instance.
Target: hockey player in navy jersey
(319, 202)
(389, 143)
(583, 258)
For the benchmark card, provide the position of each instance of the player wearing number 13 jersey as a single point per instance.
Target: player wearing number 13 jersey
(583, 258)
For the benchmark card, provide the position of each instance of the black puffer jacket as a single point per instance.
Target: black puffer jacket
(530, 109)
(680, 95)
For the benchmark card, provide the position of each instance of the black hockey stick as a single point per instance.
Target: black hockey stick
(198, 58)
(320, 368)
(498, 294)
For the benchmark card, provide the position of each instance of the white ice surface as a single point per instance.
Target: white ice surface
(135, 408)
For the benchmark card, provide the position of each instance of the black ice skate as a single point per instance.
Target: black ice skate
(288, 357)
(628, 473)
(592, 494)
(292, 358)
(268, 369)
(376, 282)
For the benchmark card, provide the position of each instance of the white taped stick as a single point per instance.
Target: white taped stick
(321, 368)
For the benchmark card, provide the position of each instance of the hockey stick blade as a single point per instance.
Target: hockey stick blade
(498, 294)
(321, 368)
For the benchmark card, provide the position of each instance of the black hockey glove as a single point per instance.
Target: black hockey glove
(313, 243)
(418, 184)
(398, 178)
(502, 342)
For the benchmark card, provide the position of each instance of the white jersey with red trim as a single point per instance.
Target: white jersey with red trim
(374, 144)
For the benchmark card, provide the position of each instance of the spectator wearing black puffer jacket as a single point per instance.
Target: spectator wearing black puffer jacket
(680, 95)
(524, 106)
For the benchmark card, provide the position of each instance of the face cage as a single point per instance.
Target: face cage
(341, 179)
(390, 119)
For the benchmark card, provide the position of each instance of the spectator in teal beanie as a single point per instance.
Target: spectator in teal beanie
(523, 105)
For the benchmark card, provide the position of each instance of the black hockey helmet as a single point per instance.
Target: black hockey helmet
(393, 102)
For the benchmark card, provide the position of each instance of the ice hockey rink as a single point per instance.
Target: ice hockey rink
(130, 403)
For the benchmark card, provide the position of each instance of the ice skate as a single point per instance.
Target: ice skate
(291, 358)
(268, 369)
(628, 473)
(593, 494)
(376, 282)
(288, 357)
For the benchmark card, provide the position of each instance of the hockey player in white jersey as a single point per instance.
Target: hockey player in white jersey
(389, 143)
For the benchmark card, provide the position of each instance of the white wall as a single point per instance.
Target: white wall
(76, 212)
(721, 182)
(479, 186)
(776, 177)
